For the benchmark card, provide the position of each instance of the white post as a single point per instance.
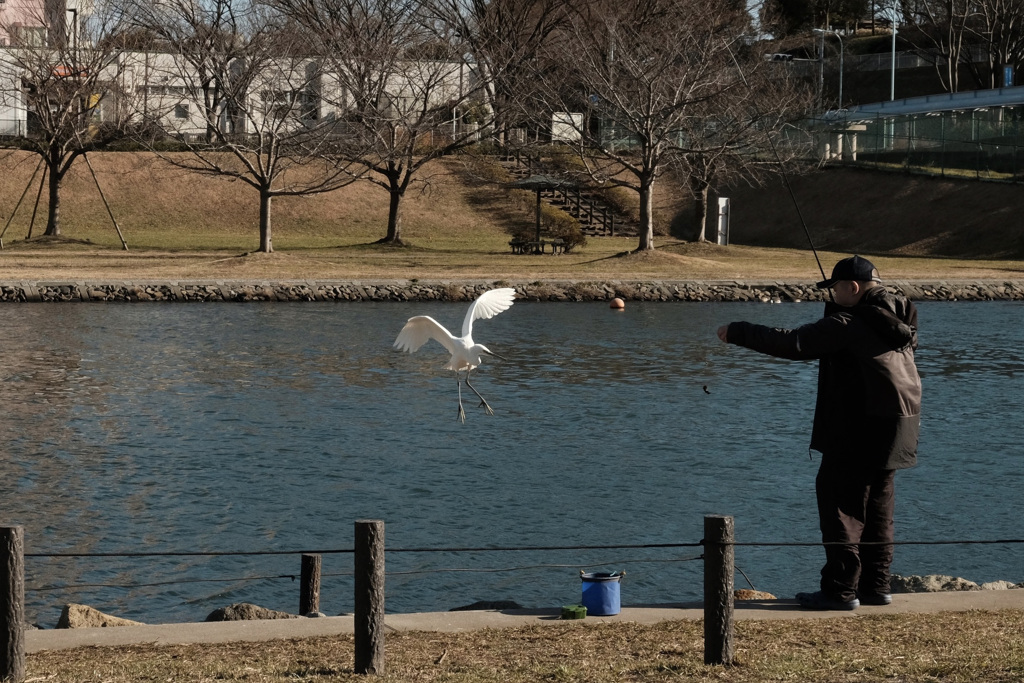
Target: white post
(723, 221)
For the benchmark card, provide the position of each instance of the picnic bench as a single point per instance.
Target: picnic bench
(521, 246)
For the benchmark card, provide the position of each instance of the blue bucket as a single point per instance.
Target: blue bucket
(601, 593)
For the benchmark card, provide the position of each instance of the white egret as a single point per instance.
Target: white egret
(465, 354)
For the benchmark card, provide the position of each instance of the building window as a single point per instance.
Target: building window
(181, 110)
(285, 103)
(160, 90)
(28, 36)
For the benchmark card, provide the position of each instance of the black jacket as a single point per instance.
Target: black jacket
(868, 411)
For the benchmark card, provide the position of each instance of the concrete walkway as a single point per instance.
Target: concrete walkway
(254, 631)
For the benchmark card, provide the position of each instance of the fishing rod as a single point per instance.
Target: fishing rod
(782, 171)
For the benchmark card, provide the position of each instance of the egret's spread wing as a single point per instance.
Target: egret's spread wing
(418, 330)
(487, 305)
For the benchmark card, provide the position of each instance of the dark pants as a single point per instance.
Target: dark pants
(855, 509)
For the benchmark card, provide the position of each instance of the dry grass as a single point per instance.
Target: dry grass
(180, 226)
(950, 647)
(483, 258)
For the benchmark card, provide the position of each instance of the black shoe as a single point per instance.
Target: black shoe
(875, 598)
(823, 601)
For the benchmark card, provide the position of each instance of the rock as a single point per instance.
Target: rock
(747, 594)
(488, 604)
(933, 583)
(83, 616)
(244, 611)
(998, 585)
(538, 290)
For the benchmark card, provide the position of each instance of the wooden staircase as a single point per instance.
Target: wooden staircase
(597, 218)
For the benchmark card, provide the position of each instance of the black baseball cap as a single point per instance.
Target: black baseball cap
(853, 268)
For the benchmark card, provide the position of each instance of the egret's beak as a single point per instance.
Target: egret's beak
(492, 353)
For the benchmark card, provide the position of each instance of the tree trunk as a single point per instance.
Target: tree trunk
(394, 235)
(646, 216)
(53, 219)
(266, 241)
(700, 208)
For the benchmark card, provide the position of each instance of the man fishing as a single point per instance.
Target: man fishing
(867, 420)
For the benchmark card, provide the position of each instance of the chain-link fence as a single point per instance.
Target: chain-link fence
(984, 143)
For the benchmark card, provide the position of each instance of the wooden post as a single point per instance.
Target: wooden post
(18, 204)
(104, 198)
(369, 598)
(719, 567)
(538, 214)
(309, 588)
(12, 604)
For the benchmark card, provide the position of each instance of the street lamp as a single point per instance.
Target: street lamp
(892, 81)
(840, 38)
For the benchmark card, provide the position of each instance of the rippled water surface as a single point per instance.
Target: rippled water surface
(269, 427)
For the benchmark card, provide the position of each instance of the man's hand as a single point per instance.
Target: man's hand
(723, 333)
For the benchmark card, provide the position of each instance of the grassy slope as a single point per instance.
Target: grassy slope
(876, 212)
(185, 226)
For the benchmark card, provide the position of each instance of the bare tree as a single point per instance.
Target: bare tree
(639, 71)
(396, 88)
(67, 95)
(246, 106)
(952, 33)
(205, 37)
(946, 29)
(1002, 34)
(504, 38)
(788, 17)
(745, 134)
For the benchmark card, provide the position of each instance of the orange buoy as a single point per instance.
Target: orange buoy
(617, 304)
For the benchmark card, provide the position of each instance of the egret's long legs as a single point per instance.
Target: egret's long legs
(458, 383)
(483, 402)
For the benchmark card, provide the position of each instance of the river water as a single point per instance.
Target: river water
(273, 427)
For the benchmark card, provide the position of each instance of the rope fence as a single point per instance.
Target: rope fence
(527, 548)
(718, 548)
(436, 570)
(412, 572)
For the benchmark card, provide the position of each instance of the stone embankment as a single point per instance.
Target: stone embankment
(411, 290)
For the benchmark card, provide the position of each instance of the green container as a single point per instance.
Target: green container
(574, 612)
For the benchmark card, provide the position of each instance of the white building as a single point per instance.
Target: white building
(163, 90)
(32, 24)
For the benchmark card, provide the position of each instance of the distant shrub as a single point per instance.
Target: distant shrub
(563, 226)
